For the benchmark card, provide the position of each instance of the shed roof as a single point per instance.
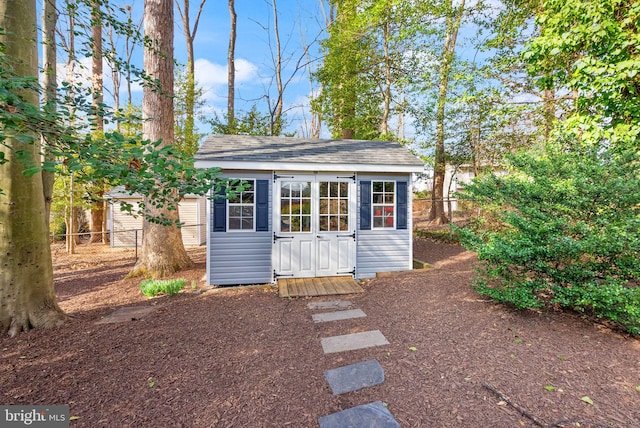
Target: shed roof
(286, 153)
(120, 192)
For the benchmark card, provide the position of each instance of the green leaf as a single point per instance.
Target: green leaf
(550, 388)
(587, 400)
(74, 418)
(638, 388)
(413, 348)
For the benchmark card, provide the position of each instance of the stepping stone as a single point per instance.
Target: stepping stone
(350, 342)
(338, 315)
(329, 305)
(355, 376)
(132, 313)
(372, 415)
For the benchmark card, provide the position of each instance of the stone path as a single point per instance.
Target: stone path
(353, 341)
(339, 315)
(372, 415)
(354, 376)
(131, 313)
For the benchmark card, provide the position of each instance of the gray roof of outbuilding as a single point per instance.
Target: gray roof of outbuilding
(241, 151)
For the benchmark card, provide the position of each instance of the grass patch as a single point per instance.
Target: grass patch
(156, 287)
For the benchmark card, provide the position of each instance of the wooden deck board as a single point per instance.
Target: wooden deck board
(320, 286)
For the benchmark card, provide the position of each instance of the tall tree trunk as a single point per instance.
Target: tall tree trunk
(27, 296)
(349, 75)
(49, 76)
(231, 76)
(97, 207)
(190, 101)
(276, 116)
(162, 251)
(386, 93)
(453, 20)
(72, 225)
(549, 113)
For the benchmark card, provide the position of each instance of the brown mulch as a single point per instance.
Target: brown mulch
(243, 357)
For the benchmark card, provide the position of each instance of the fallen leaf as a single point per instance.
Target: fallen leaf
(638, 388)
(413, 348)
(587, 400)
(550, 388)
(74, 418)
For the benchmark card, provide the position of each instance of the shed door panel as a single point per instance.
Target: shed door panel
(314, 226)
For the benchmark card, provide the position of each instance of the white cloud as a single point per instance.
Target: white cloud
(209, 74)
(245, 70)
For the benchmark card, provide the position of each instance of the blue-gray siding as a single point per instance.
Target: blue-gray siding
(384, 250)
(240, 257)
(246, 257)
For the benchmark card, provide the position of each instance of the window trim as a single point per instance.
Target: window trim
(229, 204)
(393, 205)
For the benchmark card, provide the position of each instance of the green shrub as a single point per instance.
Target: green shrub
(563, 230)
(155, 287)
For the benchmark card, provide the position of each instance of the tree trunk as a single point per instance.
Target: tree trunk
(49, 76)
(162, 250)
(231, 76)
(453, 19)
(190, 101)
(276, 116)
(27, 296)
(98, 234)
(97, 212)
(386, 93)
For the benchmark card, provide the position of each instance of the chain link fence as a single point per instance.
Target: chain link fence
(192, 236)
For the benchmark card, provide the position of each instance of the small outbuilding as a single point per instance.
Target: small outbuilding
(312, 208)
(125, 230)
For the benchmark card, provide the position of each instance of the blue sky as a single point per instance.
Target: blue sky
(300, 23)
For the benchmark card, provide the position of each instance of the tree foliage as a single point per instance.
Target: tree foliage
(565, 225)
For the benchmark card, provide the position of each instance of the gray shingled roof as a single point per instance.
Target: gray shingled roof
(229, 149)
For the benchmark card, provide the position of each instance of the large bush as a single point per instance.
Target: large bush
(564, 230)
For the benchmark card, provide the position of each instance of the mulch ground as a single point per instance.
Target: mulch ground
(244, 357)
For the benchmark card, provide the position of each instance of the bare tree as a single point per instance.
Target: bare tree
(276, 116)
(162, 251)
(231, 76)
(189, 36)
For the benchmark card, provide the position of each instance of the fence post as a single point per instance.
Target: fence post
(136, 230)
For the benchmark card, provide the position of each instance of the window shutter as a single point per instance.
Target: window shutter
(401, 204)
(365, 205)
(220, 211)
(262, 205)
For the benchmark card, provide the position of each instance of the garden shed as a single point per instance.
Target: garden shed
(125, 230)
(312, 208)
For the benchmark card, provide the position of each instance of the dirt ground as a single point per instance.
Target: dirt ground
(246, 358)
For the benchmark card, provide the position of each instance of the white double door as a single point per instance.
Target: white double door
(314, 225)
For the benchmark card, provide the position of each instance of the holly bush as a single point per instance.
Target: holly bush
(562, 230)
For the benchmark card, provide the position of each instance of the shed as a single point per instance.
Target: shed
(125, 230)
(313, 208)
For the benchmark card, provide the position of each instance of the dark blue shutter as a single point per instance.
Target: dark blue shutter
(262, 205)
(220, 211)
(365, 205)
(401, 204)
